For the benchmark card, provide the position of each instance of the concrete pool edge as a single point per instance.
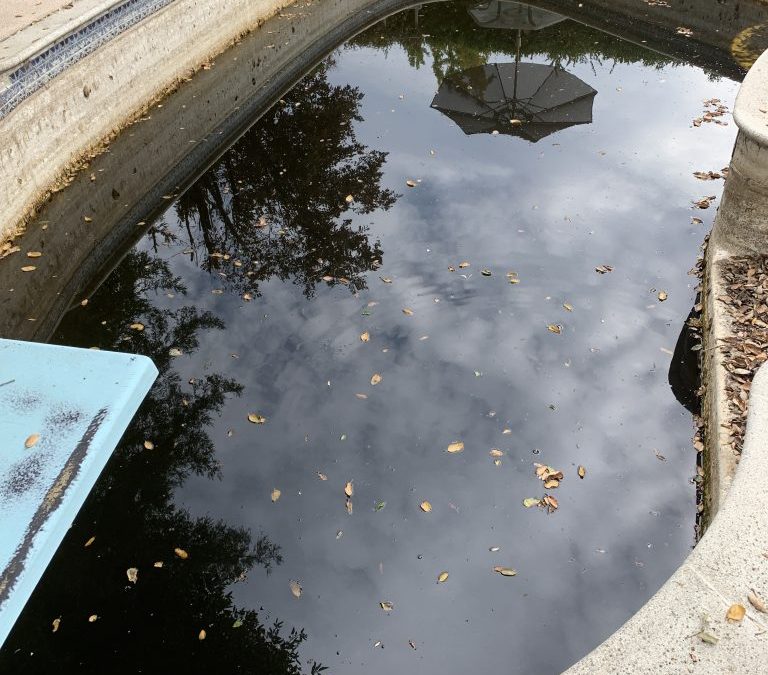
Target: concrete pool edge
(731, 559)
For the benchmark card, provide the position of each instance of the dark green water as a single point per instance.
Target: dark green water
(271, 221)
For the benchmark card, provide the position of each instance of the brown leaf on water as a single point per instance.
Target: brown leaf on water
(411, 183)
(386, 606)
(495, 452)
(735, 613)
(365, 337)
(89, 542)
(463, 265)
(581, 471)
(603, 269)
(662, 296)
(552, 483)
(181, 553)
(149, 445)
(696, 221)
(386, 280)
(247, 297)
(31, 441)
(133, 574)
(442, 577)
(555, 328)
(550, 502)
(375, 379)
(295, 588)
(137, 326)
(349, 489)
(456, 446)
(757, 602)
(407, 311)
(28, 268)
(56, 623)
(505, 571)
(486, 272)
(426, 507)
(255, 418)
(322, 476)
(506, 432)
(275, 495)
(33, 254)
(545, 473)
(92, 618)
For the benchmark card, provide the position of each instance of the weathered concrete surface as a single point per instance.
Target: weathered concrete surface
(18, 14)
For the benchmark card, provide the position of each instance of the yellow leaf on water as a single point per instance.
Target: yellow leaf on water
(133, 574)
(552, 483)
(349, 199)
(349, 489)
(295, 588)
(386, 606)
(149, 445)
(32, 440)
(555, 328)
(28, 268)
(528, 502)
(56, 622)
(93, 617)
(507, 432)
(463, 265)
(365, 337)
(275, 495)
(255, 418)
(89, 542)
(375, 379)
(662, 296)
(456, 446)
(411, 183)
(136, 326)
(158, 564)
(505, 571)
(407, 311)
(202, 634)
(181, 553)
(495, 452)
(33, 254)
(736, 612)
(568, 307)
(581, 471)
(442, 577)
(426, 507)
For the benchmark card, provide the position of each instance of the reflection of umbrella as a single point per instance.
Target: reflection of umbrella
(521, 99)
(512, 15)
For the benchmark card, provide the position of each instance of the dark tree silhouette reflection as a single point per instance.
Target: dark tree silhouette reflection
(153, 625)
(276, 203)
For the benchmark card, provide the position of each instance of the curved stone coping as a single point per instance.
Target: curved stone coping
(729, 561)
(750, 111)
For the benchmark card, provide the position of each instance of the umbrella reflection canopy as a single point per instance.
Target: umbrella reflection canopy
(529, 100)
(512, 15)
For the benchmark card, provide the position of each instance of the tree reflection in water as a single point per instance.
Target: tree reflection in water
(291, 171)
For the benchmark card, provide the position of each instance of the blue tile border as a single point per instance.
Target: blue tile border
(40, 69)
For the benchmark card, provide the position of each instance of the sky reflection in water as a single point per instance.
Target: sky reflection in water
(616, 191)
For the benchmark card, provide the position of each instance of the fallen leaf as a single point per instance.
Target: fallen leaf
(255, 418)
(348, 505)
(247, 297)
(552, 483)
(411, 183)
(275, 495)
(386, 606)
(349, 199)
(202, 634)
(149, 445)
(463, 265)
(237, 623)
(412, 644)
(322, 476)
(505, 571)
(32, 440)
(708, 637)
(662, 296)
(375, 379)
(545, 473)
(603, 269)
(407, 311)
(28, 268)
(363, 396)
(181, 553)
(550, 502)
(379, 506)
(442, 577)
(295, 588)
(513, 278)
(133, 574)
(757, 602)
(581, 471)
(426, 507)
(93, 617)
(136, 326)
(173, 351)
(158, 564)
(56, 623)
(386, 280)
(507, 432)
(33, 254)
(89, 542)
(365, 337)
(495, 452)
(528, 502)
(456, 446)
(555, 328)
(486, 272)
(735, 613)
(349, 489)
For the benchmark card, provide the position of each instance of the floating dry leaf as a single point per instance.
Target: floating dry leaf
(174, 351)
(528, 502)
(494, 549)
(456, 446)
(555, 328)
(56, 623)
(757, 602)
(463, 265)
(295, 588)
(202, 634)
(363, 396)
(136, 326)
(513, 278)
(275, 495)
(735, 612)
(407, 311)
(411, 183)
(28, 268)
(93, 617)
(552, 483)
(349, 199)
(603, 269)
(581, 471)
(375, 379)
(349, 489)
(149, 445)
(567, 306)
(348, 505)
(505, 571)
(495, 452)
(255, 418)
(158, 564)
(89, 542)
(412, 644)
(662, 296)
(386, 606)
(442, 577)
(486, 272)
(426, 507)
(181, 553)
(32, 440)
(247, 297)
(322, 476)
(550, 502)
(386, 280)
(545, 473)
(133, 574)
(507, 432)
(33, 254)
(365, 337)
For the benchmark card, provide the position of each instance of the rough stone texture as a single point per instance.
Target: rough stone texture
(18, 14)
